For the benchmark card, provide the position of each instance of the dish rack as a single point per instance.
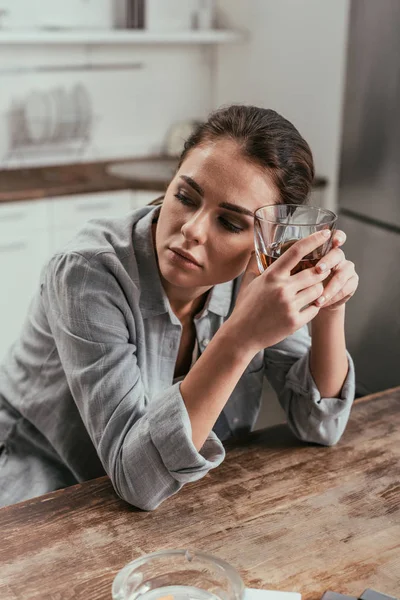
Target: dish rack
(57, 121)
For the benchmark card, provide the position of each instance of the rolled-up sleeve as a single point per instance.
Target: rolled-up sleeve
(144, 443)
(311, 417)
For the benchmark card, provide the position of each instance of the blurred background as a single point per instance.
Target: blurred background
(97, 96)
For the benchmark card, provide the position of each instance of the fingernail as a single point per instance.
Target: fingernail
(326, 233)
(339, 239)
(321, 300)
(322, 267)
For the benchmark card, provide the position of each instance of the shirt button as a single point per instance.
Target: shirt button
(205, 342)
(236, 420)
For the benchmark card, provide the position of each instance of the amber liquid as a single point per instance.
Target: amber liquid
(277, 249)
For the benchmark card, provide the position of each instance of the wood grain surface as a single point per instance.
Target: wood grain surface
(35, 183)
(289, 516)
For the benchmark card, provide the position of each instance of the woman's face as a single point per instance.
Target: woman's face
(207, 216)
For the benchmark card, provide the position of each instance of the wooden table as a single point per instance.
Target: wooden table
(287, 515)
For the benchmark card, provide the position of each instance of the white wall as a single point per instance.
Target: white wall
(132, 108)
(293, 62)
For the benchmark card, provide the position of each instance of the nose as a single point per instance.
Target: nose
(195, 229)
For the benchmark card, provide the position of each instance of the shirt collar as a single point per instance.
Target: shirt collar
(220, 299)
(153, 299)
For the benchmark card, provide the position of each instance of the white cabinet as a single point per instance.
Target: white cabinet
(24, 248)
(31, 231)
(73, 211)
(17, 217)
(70, 213)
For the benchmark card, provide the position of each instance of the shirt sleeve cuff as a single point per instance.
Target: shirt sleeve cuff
(171, 433)
(301, 381)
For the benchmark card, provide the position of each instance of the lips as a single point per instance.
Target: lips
(186, 255)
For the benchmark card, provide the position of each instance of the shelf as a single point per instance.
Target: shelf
(119, 37)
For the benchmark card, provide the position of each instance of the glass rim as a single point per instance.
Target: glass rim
(317, 208)
(123, 573)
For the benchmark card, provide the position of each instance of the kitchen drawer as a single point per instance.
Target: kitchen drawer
(73, 211)
(20, 217)
(21, 260)
(62, 237)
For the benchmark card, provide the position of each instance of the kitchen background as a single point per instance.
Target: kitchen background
(94, 81)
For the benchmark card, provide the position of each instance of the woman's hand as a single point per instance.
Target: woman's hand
(344, 279)
(275, 304)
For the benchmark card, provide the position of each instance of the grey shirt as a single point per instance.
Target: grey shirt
(88, 386)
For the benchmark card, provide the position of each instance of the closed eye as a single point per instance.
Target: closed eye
(230, 226)
(227, 225)
(184, 199)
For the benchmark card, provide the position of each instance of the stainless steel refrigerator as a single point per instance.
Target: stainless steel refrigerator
(369, 190)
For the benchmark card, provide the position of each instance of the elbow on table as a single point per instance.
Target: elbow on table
(328, 435)
(137, 477)
(145, 505)
(142, 486)
(325, 432)
(329, 440)
(136, 499)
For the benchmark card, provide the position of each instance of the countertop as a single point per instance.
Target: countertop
(80, 178)
(288, 515)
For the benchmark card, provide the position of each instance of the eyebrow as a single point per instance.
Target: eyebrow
(233, 207)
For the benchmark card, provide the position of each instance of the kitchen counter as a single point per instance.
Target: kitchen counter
(80, 178)
(288, 515)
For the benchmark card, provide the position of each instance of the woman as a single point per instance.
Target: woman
(140, 354)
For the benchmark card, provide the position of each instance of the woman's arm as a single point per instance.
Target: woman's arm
(328, 359)
(314, 379)
(144, 443)
(267, 311)
(313, 417)
(210, 382)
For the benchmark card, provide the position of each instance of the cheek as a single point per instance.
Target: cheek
(170, 218)
(232, 256)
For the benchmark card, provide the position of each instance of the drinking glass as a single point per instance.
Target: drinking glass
(278, 226)
(178, 575)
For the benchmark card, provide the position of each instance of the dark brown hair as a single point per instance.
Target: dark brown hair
(265, 138)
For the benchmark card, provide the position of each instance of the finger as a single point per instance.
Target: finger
(293, 255)
(333, 305)
(338, 238)
(331, 260)
(251, 272)
(336, 305)
(339, 283)
(338, 300)
(308, 277)
(308, 313)
(347, 291)
(309, 295)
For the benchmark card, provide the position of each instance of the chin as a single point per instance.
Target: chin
(178, 278)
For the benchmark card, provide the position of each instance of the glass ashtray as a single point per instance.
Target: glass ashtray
(178, 575)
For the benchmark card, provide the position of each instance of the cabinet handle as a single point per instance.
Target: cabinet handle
(91, 206)
(13, 246)
(17, 216)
